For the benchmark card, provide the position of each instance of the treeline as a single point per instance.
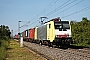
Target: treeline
(81, 32)
(4, 40)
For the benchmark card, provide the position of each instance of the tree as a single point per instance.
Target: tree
(81, 32)
(4, 31)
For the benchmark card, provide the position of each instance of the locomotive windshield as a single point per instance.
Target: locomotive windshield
(62, 25)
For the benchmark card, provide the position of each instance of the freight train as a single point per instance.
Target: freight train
(53, 32)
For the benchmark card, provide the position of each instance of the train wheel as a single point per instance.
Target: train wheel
(50, 44)
(37, 41)
(46, 43)
(40, 43)
(31, 40)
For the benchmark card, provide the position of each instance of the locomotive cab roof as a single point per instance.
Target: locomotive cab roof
(55, 20)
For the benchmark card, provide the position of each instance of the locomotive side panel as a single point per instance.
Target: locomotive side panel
(42, 33)
(50, 31)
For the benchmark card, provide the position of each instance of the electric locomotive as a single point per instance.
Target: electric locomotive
(54, 32)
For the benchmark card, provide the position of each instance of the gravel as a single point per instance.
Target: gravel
(60, 54)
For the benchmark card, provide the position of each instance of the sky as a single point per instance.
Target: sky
(30, 11)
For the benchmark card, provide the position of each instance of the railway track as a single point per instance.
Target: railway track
(45, 56)
(59, 54)
(81, 52)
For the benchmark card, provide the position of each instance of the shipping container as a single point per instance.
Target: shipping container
(31, 33)
(27, 33)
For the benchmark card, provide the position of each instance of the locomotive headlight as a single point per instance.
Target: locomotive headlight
(67, 35)
(57, 35)
(70, 36)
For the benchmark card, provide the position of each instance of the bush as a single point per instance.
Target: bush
(3, 45)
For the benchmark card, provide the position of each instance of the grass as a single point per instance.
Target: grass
(2, 53)
(3, 46)
(15, 52)
(82, 44)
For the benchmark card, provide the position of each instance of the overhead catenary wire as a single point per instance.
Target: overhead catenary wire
(50, 14)
(52, 4)
(25, 24)
(48, 6)
(55, 9)
(84, 9)
(21, 26)
(79, 11)
(61, 7)
(69, 7)
(44, 10)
